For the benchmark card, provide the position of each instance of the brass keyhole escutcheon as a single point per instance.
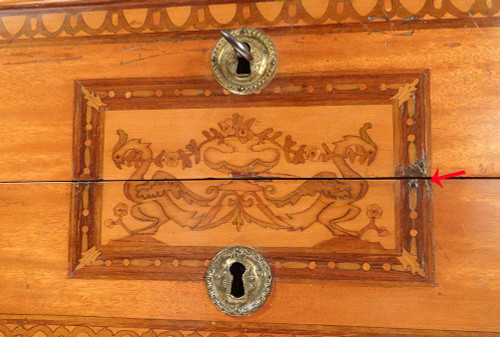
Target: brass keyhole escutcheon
(240, 75)
(238, 280)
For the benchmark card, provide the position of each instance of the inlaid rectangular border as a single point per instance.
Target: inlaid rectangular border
(407, 92)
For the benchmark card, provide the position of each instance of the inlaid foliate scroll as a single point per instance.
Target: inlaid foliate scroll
(317, 172)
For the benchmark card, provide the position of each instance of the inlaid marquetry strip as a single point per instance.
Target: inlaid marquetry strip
(69, 326)
(91, 257)
(405, 91)
(52, 24)
(93, 104)
(409, 259)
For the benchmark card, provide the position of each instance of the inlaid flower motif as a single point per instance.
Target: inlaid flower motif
(244, 130)
(313, 153)
(226, 127)
(171, 159)
(120, 210)
(374, 211)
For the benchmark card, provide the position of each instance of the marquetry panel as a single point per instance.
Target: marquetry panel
(287, 171)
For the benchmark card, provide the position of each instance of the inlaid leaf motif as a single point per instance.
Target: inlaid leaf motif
(405, 91)
(410, 261)
(88, 257)
(93, 99)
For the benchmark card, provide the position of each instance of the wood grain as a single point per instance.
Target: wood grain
(33, 272)
(462, 63)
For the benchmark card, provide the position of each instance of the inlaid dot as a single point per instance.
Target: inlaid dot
(410, 122)
(175, 263)
(126, 262)
(85, 212)
(258, 92)
(108, 263)
(366, 266)
(88, 127)
(311, 265)
(85, 229)
(206, 263)
(86, 170)
(310, 89)
(111, 93)
(177, 92)
(128, 94)
(330, 265)
(413, 215)
(277, 90)
(225, 92)
(386, 267)
(383, 87)
(157, 263)
(329, 87)
(207, 92)
(413, 232)
(362, 86)
(278, 265)
(158, 93)
(411, 138)
(88, 142)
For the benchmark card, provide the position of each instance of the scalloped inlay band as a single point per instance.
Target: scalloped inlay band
(146, 21)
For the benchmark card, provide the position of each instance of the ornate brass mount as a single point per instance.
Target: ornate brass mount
(244, 61)
(238, 281)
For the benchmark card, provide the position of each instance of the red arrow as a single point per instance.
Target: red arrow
(436, 178)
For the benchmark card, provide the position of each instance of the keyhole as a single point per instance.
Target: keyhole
(243, 67)
(237, 288)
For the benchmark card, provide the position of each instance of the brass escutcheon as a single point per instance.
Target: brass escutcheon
(262, 66)
(222, 281)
